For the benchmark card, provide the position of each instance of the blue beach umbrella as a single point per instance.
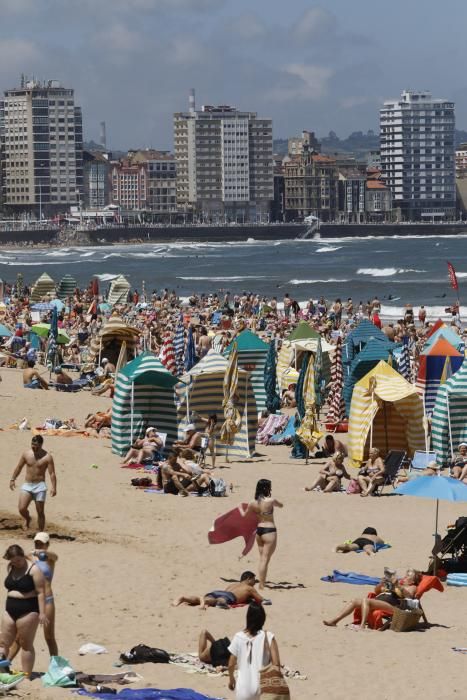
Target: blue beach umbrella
(42, 306)
(273, 401)
(57, 304)
(438, 488)
(190, 351)
(5, 332)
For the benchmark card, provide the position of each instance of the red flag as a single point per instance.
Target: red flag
(452, 277)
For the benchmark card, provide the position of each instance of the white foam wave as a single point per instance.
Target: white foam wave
(63, 253)
(106, 277)
(331, 279)
(432, 312)
(42, 263)
(223, 279)
(385, 271)
(328, 249)
(88, 255)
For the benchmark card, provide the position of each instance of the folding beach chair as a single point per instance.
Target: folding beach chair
(393, 463)
(421, 460)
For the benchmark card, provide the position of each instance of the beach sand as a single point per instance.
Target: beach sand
(133, 552)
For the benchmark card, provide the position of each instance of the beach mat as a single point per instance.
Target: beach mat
(150, 694)
(351, 577)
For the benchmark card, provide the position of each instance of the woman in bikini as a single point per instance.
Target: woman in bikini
(266, 532)
(25, 606)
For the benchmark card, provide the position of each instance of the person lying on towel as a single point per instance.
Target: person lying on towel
(235, 594)
(367, 541)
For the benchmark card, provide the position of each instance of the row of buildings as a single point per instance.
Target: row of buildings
(223, 168)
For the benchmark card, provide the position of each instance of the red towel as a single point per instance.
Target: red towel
(232, 524)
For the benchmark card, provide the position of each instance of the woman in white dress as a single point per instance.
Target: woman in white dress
(249, 653)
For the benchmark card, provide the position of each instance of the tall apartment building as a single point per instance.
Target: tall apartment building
(96, 179)
(41, 144)
(417, 155)
(310, 187)
(224, 163)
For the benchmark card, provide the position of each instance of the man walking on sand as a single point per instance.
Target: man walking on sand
(38, 461)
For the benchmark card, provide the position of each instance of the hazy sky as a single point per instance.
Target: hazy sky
(308, 66)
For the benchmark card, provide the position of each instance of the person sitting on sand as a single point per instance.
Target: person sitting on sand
(367, 541)
(235, 594)
(145, 448)
(432, 469)
(330, 476)
(372, 474)
(99, 420)
(62, 377)
(389, 594)
(172, 478)
(213, 651)
(330, 447)
(32, 379)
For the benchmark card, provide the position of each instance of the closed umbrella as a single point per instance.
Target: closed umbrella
(404, 361)
(308, 431)
(190, 351)
(179, 345)
(167, 356)
(53, 332)
(273, 401)
(298, 450)
(318, 373)
(336, 411)
(232, 418)
(439, 488)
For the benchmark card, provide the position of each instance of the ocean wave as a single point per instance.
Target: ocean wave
(328, 249)
(385, 271)
(106, 277)
(331, 279)
(88, 255)
(42, 263)
(432, 312)
(234, 278)
(62, 253)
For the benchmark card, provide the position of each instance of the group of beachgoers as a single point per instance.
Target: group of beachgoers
(215, 320)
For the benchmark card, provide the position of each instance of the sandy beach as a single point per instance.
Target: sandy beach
(132, 552)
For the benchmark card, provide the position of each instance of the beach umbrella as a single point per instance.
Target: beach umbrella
(42, 306)
(43, 330)
(105, 308)
(190, 351)
(404, 361)
(179, 345)
(318, 373)
(308, 432)
(232, 418)
(57, 304)
(167, 356)
(298, 450)
(5, 332)
(336, 411)
(273, 401)
(439, 488)
(53, 332)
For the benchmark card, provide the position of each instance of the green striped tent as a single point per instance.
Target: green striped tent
(252, 355)
(44, 286)
(202, 393)
(66, 287)
(144, 396)
(449, 422)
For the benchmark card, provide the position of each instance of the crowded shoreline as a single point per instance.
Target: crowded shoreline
(149, 560)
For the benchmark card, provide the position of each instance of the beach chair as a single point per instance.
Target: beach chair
(393, 463)
(9, 681)
(421, 460)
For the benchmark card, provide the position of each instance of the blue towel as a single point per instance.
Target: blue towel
(150, 694)
(456, 579)
(378, 547)
(351, 577)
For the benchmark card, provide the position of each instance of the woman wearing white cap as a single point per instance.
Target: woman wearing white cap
(459, 461)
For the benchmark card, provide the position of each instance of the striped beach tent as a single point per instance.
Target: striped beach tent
(203, 392)
(42, 287)
(118, 292)
(303, 331)
(108, 341)
(449, 422)
(144, 396)
(449, 335)
(357, 339)
(373, 352)
(252, 356)
(284, 360)
(66, 287)
(437, 364)
(386, 412)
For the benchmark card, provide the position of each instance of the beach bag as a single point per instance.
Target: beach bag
(272, 684)
(353, 487)
(141, 654)
(217, 487)
(59, 674)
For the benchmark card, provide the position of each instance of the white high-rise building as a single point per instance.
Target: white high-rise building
(224, 164)
(417, 155)
(41, 148)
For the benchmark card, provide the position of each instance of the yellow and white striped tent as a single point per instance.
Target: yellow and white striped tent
(386, 410)
(284, 360)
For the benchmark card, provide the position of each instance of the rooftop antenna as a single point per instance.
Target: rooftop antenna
(103, 138)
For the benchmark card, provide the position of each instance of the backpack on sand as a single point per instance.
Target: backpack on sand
(218, 487)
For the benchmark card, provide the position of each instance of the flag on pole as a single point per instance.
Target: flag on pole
(453, 277)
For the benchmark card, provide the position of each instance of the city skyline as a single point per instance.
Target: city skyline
(132, 63)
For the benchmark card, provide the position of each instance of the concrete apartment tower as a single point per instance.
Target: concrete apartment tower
(417, 155)
(224, 164)
(41, 148)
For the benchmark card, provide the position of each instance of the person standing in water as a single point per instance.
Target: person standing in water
(266, 533)
(37, 461)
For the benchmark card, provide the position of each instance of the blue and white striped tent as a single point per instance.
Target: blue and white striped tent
(449, 422)
(252, 356)
(144, 397)
(203, 392)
